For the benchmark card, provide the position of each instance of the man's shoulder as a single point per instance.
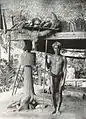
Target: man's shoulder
(63, 57)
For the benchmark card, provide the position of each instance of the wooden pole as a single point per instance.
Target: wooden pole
(9, 49)
(1, 20)
(0, 51)
(12, 20)
(45, 64)
(45, 69)
(4, 22)
(16, 80)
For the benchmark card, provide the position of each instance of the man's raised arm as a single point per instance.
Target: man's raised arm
(47, 63)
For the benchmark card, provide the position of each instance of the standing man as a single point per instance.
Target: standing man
(57, 64)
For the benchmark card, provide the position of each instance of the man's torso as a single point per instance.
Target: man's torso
(57, 63)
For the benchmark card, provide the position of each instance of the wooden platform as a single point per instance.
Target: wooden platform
(69, 40)
(60, 35)
(74, 53)
(76, 80)
(68, 35)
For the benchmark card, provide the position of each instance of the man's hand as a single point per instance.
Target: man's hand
(48, 62)
(62, 84)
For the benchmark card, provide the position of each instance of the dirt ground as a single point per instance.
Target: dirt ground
(73, 107)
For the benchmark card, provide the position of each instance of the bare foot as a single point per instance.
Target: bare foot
(54, 112)
(58, 112)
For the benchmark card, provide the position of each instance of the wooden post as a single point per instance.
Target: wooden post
(12, 20)
(0, 51)
(9, 49)
(0, 43)
(45, 64)
(1, 20)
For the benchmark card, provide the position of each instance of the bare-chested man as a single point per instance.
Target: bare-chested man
(57, 64)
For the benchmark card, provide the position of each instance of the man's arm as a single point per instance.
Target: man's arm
(47, 63)
(64, 70)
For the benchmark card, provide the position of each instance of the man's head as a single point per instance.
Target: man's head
(57, 47)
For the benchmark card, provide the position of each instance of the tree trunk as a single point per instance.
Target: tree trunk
(28, 102)
(28, 83)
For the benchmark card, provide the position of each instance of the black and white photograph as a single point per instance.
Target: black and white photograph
(42, 59)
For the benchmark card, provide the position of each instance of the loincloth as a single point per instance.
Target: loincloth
(56, 81)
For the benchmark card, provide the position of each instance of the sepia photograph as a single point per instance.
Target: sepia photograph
(42, 59)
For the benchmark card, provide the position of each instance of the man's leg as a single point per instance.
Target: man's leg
(57, 92)
(60, 99)
(54, 94)
(61, 88)
(54, 103)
